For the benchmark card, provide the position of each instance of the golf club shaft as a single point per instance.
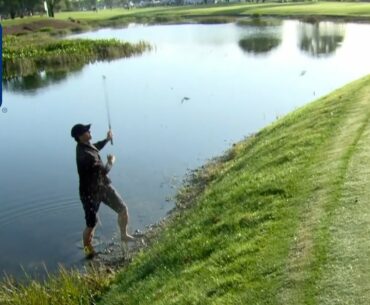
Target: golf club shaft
(111, 140)
(107, 107)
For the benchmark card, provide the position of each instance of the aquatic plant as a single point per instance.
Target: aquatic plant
(20, 59)
(259, 22)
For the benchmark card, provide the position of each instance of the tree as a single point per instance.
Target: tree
(68, 5)
(19, 7)
(91, 4)
(109, 3)
(30, 6)
(10, 7)
(320, 39)
(51, 4)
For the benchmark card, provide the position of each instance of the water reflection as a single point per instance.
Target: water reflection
(32, 83)
(258, 45)
(265, 36)
(231, 94)
(320, 39)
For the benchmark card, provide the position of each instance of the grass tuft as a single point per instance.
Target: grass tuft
(64, 288)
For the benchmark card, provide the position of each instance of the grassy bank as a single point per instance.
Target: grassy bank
(281, 219)
(25, 56)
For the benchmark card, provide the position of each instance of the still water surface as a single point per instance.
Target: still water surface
(236, 79)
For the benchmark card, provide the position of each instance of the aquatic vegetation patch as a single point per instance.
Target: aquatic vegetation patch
(259, 22)
(20, 59)
(214, 20)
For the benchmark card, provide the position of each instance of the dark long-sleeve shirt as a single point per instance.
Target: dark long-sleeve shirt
(91, 169)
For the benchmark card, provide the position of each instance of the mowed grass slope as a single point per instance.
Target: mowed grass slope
(244, 9)
(283, 218)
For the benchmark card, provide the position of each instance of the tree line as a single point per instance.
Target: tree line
(21, 8)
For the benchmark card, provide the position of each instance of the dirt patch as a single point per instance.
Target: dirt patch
(115, 255)
(40, 25)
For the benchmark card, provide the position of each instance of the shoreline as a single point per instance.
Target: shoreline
(203, 219)
(195, 184)
(68, 29)
(77, 21)
(248, 207)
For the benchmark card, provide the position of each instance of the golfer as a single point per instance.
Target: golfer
(95, 185)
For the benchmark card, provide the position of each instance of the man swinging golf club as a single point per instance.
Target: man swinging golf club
(95, 185)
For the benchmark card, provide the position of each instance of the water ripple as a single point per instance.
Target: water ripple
(36, 207)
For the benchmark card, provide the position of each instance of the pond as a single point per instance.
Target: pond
(200, 89)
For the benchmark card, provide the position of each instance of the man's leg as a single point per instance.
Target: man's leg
(88, 235)
(91, 208)
(123, 222)
(115, 202)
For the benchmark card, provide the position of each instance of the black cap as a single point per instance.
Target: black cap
(79, 130)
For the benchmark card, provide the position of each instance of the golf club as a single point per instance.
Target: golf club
(107, 105)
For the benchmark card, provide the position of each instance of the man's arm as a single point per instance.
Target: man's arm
(99, 145)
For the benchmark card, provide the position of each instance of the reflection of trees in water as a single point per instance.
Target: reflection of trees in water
(259, 44)
(264, 36)
(30, 84)
(321, 38)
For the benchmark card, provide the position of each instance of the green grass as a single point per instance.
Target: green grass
(282, 218)
(63, 288)
(354, 9)
(36, 46)
(349, 10)
(25, 56)
(102, 14)
(320, 8)
(273, 220)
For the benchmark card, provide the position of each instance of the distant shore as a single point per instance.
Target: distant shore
(66, 22)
